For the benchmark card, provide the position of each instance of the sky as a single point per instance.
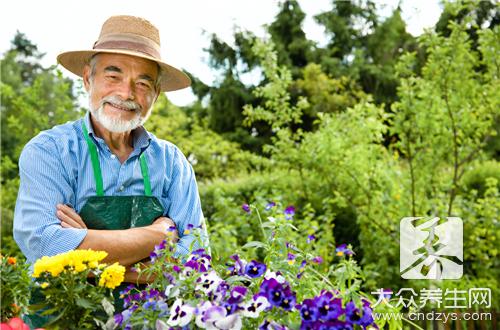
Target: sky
(185, 26)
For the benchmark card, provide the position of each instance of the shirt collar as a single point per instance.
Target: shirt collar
(140, 136)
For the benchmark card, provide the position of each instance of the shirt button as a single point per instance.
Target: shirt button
(113, 156)
(121, 188)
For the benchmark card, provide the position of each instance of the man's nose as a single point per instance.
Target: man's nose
(127, 90)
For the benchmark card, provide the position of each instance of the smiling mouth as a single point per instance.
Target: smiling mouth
(114, 105)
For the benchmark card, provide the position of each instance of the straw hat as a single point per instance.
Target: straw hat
(128, 35)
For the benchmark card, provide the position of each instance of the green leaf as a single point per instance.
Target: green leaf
(82, 302)
(255, 244)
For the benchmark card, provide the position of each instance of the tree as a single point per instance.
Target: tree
(33, 99)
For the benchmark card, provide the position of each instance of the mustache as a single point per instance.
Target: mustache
(119, 102)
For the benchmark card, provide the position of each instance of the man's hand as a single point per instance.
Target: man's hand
(169, 227)
(69, 218)
(126, 246)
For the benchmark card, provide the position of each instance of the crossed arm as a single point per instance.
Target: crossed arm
(127, 246)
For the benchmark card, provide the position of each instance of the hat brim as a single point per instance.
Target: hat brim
(172, 79)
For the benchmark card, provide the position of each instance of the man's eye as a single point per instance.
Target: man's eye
(113, 77)
(144, 84)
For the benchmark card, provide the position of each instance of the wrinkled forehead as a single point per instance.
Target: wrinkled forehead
(125, 63)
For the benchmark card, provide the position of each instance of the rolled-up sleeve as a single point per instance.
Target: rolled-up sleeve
(185, 207)
(43, 184)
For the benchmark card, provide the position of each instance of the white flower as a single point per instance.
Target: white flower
(200, 314)
(172, 291)
(230, 322)
(216, 318)
(180, 314)
(255, 306)
(208, 282)
(269, 274)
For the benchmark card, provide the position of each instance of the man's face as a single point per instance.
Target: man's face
(121, 90)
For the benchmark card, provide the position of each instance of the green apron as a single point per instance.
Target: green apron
(112, 213)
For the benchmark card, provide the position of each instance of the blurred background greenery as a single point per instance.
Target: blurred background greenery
(374, 126)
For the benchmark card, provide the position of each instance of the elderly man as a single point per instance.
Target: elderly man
(103, 182)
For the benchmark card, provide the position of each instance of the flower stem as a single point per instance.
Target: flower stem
(327, 281)
(261, 226)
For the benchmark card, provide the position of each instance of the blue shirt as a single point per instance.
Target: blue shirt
(55, 168)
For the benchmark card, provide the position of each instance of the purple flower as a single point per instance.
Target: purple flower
(246, 208)
(255, 269)
(317, 260)
(279, 295)
(342, 250)
(238, 267)
(118, 319)
(329, 308)
(176, 268)
(289, 299)
(270, 205)
(354, 315)
(308, 310)
(301, 268)
(310, 238)
(289, 212)
(334, 325)
(271, 325)
(237, 294)
(272, 290)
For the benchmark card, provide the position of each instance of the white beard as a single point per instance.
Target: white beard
(116, 125)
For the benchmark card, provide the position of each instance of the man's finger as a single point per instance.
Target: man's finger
(69, 220)
(68, 211)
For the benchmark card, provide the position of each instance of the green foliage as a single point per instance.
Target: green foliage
(15, 287)
(211, 155)
(476, 178)
(32, 99)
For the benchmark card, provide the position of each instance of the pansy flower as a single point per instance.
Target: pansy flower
(308, 310)
(255, 306)
(208, 282)
(180, 314)
(239, 266)
(215, 317)
(271, 325)
(310, 238)
(342, 250)
(318, 260)
(270, 205)
(289, 212)
(255, 269)
(363, 318)
(246, 208)
(329, 308)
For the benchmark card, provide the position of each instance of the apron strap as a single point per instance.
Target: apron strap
(145, 174)
(94, 157)
(95, 162)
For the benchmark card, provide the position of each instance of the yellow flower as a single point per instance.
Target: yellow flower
(44, 285)
(112, 276)
(77, 260)
(80, 267)
(340, 253)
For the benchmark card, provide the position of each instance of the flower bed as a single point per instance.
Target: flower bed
(284, 289)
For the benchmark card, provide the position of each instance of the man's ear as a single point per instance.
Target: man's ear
(86, 77)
